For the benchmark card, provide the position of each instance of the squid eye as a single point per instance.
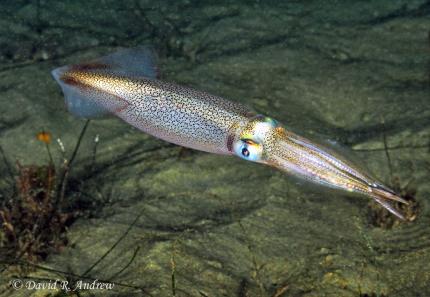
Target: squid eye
(245, 152)
(248, 150)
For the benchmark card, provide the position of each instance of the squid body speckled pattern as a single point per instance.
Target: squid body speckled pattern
(125, 84)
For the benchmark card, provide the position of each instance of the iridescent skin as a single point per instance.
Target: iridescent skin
(173, 113)
(209, 123)
(264, 140)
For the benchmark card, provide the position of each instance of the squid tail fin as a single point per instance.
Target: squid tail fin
(83, 100)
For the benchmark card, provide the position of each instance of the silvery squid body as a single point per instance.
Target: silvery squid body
(125, 84)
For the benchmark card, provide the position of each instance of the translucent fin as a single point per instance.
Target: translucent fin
(86, 102)
(138, 61)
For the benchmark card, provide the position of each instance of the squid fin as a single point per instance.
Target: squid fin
(138, 61)
(83, 101)
(77, 101)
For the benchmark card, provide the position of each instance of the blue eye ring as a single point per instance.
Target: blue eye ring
(248, 150)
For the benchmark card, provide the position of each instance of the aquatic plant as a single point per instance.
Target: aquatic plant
(380, 217)
(34, 220)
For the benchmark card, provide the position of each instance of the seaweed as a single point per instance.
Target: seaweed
(72, 279)
(33, 221)
(380, 217)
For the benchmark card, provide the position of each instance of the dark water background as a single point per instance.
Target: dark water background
(159, 220)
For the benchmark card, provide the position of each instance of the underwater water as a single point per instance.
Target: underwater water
(100, 202)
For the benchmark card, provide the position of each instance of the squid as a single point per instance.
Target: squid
(126, 84)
